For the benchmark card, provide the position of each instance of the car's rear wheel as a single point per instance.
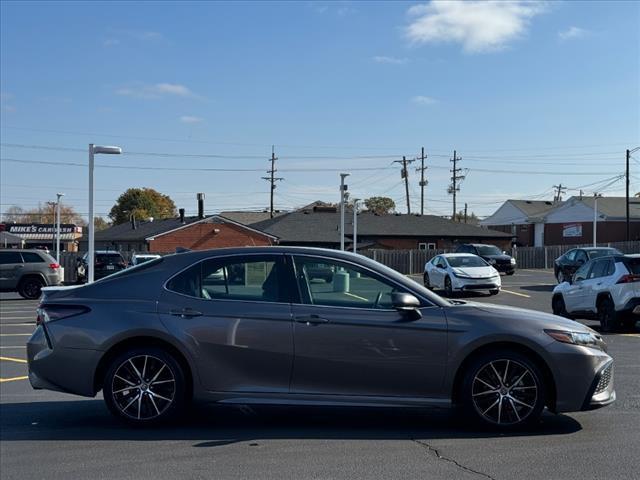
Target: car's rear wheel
(448, 287)
(145, 386)
(607, 314)
(31, 288)
(503, 390)
(426, 280)
(558, 306)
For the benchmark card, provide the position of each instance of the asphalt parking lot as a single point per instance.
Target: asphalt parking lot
(57, 436)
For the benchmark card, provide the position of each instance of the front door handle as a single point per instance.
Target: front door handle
(186, 313)
(311, 319)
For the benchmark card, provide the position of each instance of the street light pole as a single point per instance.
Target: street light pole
(342, 189)
(595, 217)
(59, 196)
(355, 224)
(94, 149)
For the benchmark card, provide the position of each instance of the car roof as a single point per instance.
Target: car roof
(447, 255)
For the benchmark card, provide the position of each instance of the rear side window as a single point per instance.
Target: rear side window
(258, 278)
(599, 269)
(10, 257)
(633, 265)
(31, 257)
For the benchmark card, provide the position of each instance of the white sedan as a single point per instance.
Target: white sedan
(461, 272)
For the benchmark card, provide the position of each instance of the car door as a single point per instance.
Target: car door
(349, 340)
(574, 296)
(233, 313)
(435, 275)
(596, 282)
(11, 268)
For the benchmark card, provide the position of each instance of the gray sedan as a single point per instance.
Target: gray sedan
(252, 326)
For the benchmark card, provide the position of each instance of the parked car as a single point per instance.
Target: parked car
(459, 272)
(566, 265)
(138, 258)
(153, 337)
(497, 258)
(106, 262)
(606, 288)
(27, 271)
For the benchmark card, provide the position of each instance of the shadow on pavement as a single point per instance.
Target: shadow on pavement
(538, 288)
(212, 426)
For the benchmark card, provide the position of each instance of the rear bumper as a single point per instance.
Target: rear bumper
(631, 308)
(68, 370)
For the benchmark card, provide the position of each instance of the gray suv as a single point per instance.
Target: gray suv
(27, 271)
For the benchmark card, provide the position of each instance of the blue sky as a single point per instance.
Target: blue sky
(515, 88)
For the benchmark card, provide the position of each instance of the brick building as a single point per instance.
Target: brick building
(164, 236)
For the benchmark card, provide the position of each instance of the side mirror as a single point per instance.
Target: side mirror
(406, 303)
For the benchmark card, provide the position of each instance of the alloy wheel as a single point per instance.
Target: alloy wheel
(143, 387)
(504, 392)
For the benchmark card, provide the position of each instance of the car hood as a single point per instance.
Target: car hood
(475, 272)
(501, 256)
(544, 320)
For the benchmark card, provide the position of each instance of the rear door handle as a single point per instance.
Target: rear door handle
(186, 313)
(311, 319)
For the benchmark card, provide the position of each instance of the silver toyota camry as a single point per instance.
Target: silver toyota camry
(262, 325)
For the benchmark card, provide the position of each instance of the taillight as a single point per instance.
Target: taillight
(54, 266)
(629, 279)
(51, 313)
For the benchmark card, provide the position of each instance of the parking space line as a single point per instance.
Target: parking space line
(12, 359)
(13, 379)
(15, 334)
(17, 324)
(635, 335)
(516, 293)
(12, 346)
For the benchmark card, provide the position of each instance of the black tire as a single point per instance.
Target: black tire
(448, 287)
(31, 288)
(494, 291)
(426, 281)
(607, 315)
(511, 272)
(558, 306)
(516, 403)
(153, 408)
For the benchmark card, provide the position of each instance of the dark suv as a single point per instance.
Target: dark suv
(493, 255)
(566, 265)
(27, 271)
(106, 262)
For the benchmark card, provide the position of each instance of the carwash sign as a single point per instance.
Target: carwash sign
(42, 228)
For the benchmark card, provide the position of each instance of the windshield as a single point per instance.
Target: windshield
(466, 261)
(603, 252)
(489, 250)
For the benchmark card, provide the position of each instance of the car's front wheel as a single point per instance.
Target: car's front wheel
(558, 306)
(607, 314)
(145, 386)
(503, 390)
(448, 287)
(426, 280)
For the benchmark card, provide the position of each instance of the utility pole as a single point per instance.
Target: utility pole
(423, 182)
(454, 188)
(465, 212)
(559, 191)
(405, 174)
(629, 152)
(355, 224)
(272, 178)
(343, 189)
(595, 217)
(59, 196)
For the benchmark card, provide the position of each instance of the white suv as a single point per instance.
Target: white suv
(606, 288)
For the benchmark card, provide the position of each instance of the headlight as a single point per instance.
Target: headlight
(585, 339)
(513, 261)
(459, 274)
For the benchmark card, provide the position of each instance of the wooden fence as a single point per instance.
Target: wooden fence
(412, 261)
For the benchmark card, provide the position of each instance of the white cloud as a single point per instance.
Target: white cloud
(157, 90)
(390, 60)
(422, 100)
(479, 26)
(190, 119)
(572, 32)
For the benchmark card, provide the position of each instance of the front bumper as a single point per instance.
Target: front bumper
(601, 392)
(505, 267)
(466, 284)
(69, 370)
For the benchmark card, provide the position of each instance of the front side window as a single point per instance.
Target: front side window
(10, 257)
(582, 272)
(348, 286)
(570, 255)
(233, 278)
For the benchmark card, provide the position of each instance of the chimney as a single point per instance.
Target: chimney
(133, 222)
(181, 211)
(201, 206)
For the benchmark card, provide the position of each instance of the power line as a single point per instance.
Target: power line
(272, 179)
(455, 179)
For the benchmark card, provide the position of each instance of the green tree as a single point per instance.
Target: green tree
(380, 205)
(143, 203)
(100, 223)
